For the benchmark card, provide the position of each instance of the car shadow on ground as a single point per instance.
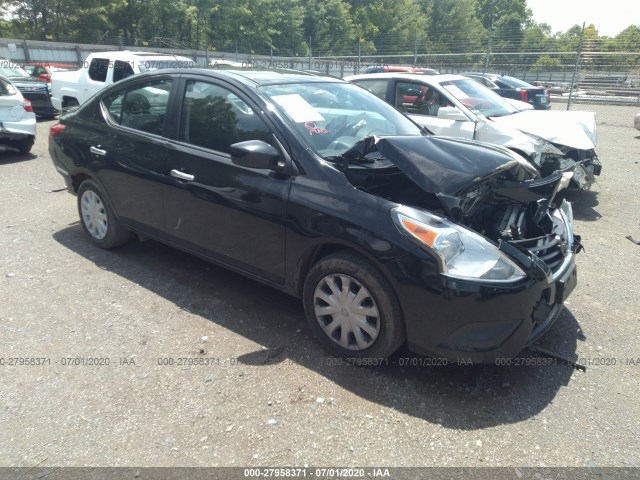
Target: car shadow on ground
(10, 156)
(454, 396)
(584, 204)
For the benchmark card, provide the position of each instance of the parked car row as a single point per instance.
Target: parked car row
(457, 106)
(504, 85)
(33, 89)
(510, 87)
(317, 187)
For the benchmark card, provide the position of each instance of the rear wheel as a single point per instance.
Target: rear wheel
(97, 219)
(352, 308)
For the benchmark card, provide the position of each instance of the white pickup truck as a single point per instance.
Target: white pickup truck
(104, 68)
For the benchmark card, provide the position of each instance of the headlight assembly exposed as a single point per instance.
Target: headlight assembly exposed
(464, 254)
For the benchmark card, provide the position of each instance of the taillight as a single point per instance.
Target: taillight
(55, 130)
(524, 96)
(26, 104)
(45, 77)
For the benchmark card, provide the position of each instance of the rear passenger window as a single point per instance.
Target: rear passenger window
(141, 107)
(98, 69)
(215, 118)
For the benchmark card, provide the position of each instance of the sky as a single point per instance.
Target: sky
(609, 16)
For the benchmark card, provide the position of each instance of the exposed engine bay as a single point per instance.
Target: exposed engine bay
(500, 197)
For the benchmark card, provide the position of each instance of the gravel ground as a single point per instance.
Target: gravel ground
(271, 396)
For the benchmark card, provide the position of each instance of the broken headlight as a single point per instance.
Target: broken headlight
(463, 253)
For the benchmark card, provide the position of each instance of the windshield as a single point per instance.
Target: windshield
(8, 70)
(478, 98)
(333, 117)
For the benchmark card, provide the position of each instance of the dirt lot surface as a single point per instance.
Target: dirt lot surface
(271, 395)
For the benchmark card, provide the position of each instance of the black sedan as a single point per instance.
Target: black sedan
(320, 189)
(511, 87)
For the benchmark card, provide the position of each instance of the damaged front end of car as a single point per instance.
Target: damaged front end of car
(501, 244)
(583, 163)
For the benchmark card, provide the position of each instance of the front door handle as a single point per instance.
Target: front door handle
(97, 151)
(182, 176)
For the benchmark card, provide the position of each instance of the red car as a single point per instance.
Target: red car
(43, 71)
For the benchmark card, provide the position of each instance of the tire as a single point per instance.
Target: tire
(376, 332)
(25, 145)
(97, 219)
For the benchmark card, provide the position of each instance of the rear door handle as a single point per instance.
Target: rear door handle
(182, 176)
(97, 151)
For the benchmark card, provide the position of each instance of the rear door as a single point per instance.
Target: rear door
(232, 214)
(129, 153)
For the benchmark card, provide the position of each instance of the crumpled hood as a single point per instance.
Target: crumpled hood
(444, 165)
(572, 129)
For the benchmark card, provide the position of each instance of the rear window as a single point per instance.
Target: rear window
(513, 82)
(6, 89)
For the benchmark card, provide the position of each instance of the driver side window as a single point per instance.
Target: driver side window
(419, 99)
(215, 118)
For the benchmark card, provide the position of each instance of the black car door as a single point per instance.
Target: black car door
(132, 152)
(229, 213)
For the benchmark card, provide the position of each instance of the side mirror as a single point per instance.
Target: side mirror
(451, 113)
(256, 154)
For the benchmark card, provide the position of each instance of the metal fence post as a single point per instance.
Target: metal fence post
(577, 67)
(25, 48)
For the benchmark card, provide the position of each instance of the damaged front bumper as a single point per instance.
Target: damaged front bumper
(465, 321)
(584, 164)
(584, 171)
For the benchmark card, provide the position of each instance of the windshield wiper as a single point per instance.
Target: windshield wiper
(356, 154)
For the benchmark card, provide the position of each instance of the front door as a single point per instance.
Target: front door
(232, 214)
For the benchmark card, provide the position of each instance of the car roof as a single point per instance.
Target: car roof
(119, 54)
(409, 76)
(251, 77)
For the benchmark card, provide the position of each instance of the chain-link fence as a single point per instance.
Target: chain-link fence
(582, 76)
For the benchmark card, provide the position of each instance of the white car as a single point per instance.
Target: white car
(69, 89)
(17, 120)
(458, 106)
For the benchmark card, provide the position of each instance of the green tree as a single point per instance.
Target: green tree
(328, 23)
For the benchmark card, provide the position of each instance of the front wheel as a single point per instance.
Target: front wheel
(352, 308)
(97, 219)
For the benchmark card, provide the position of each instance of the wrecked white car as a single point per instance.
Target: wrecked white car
(457, 106)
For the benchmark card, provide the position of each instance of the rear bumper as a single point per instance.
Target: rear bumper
(18, 129)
